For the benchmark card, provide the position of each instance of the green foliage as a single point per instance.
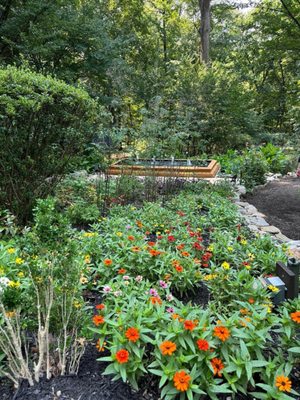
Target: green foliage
(44, 124)
(253, 170)
(276, 159)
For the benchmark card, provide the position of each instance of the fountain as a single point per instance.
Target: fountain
(164, 167)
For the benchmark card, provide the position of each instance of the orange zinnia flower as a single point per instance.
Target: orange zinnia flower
(185, 254)
(251, 300)
(107, 262)
(181, 381)
(203, 344)
(175, 262)
(122, 271)
(154, 252)
(132, 334)
(155, 300)
(180, 247)
(122, 356)
(151, 244)
(100, 306)
(221, 332)
(283, 383)
(179, 268)
(167, 348)
(135, 249)
(189, 325)
(98, 319)
(167, 277)
(130, 237)
(175, 316)
(296, 316)
(217, 366)
(139, 224)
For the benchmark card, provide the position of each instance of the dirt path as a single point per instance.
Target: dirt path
(280, 202)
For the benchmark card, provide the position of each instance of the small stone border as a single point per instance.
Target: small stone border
(257, 224)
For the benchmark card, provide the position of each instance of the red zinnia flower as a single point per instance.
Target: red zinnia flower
(122, 356)
(189, 325)
(132, 334)
(171, 238)
(122, 271)
(197, 246)
(202, 344)
(100, 306)
(98, 319)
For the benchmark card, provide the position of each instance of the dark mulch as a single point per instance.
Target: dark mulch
(89, 384)
(280, 202)
(199, 296)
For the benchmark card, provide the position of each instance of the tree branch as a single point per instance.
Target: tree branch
(290, 13)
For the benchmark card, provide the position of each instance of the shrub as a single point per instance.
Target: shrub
(277, 161)
(253, 170)
(45, 124)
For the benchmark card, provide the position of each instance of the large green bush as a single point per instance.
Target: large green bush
(44, 125)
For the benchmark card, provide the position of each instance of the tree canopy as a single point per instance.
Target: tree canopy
(143, 60)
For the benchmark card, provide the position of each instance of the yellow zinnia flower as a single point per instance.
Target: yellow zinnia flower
(225, 265)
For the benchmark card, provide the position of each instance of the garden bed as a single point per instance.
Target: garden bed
(169, 295)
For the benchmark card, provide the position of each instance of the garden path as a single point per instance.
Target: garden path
(280, 202)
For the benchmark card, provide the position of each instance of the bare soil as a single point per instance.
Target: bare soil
(280, 202)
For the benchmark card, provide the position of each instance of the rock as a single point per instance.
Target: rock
(293, 243)
(242, 203)
(241, 189)
(270, 229)
(282, 238)
(253, 228)
(294, 253)
(258, 221)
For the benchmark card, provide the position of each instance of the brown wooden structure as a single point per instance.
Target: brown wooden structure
(186, 171)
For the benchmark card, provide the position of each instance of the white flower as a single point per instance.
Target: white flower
(107, 289)
(139, 278)
(170, 297)
(4, 281)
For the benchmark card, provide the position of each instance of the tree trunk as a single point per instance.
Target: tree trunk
(204, 30)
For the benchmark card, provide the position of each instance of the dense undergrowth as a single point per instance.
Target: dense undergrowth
(137, 262)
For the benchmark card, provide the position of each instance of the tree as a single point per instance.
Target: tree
(204, 6)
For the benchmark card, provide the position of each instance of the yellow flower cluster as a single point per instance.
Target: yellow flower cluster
(19, 261)
(225, 265)
(210, 277)
(11, 250)
(14, 284)
(89, 234)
